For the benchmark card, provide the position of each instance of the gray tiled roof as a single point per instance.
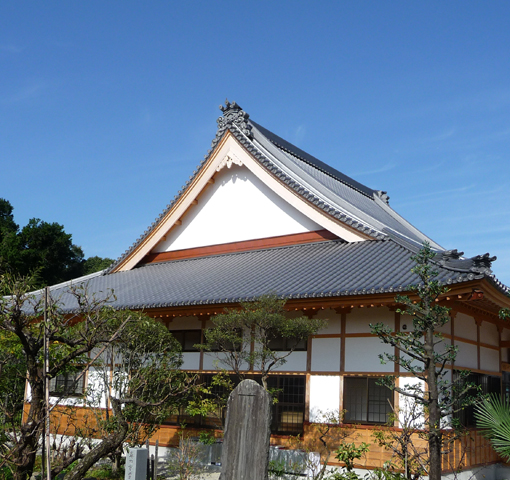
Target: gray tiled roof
(337, 194)
(325, 269)
(341, 192)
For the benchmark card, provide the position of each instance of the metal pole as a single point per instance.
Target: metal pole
(47, 386)
(156, 460)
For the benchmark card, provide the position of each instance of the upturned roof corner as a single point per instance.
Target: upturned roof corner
(454, 260)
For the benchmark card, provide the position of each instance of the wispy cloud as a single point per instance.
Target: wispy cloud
(440, 193)
(25, 93)
(299, 134)
(64, 45)
(464, 192)
(444, 135)
(10, 49)
(145, 116)
(383, 168)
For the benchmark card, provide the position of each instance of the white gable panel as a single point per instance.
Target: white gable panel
(237, 207)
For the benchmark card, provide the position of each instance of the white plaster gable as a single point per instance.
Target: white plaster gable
(237, 206)
(266, 197)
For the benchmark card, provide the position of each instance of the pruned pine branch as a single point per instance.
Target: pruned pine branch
(424, 356)
(261, 323)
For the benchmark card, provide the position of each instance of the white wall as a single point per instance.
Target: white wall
(409, 412)
(190, 360)
(467, 355)
(359, 319)
(295, 362)
(96, 394)
(237, 207)
(489, 334)
(362, 355)
(324, 395)
(333, 325)
(326, 354)
(489, 359)
(465, 327)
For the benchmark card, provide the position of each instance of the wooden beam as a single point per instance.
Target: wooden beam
(243, 246)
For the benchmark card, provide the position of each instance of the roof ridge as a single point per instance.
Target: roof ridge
(314, 161)
(74, 281)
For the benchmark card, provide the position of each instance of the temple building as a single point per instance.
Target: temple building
(260, 216)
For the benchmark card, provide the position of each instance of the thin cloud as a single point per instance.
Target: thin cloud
(384, 168)
(145, 116)
(25, 93)
(299, 134)
(434, 166)
(64, 45)
(443, 136)
(10, 49)
(461, 192)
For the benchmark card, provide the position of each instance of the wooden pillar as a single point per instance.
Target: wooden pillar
(453, 314)
(203, 321)
(478, 325)
(343, 327)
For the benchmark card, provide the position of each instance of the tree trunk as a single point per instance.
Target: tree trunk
(25, 450)
(116, 462)
(434, 421)
(435, 454)
(105, 447)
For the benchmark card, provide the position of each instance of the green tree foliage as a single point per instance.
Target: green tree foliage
(48, 251)
(12, 382)
(211, 400)
(144, 395)
(95, 264)
(424, 353)
(493, 415)
(7, 223)
(145, 387)
(41, 250)
(407, 455)
(243, 340)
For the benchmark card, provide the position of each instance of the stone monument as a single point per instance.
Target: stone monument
(245, 453)
(136, 464)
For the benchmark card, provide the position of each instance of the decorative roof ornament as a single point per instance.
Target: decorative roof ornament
(233, 114)
(229, 160)
(453, 260)
(448, 255)
(383, 196)
(482, 264)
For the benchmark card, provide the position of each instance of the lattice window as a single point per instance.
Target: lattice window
(188, 339)
(289, 411)
(67, 385)
(366, 401)
(487, 384)
(282, 344)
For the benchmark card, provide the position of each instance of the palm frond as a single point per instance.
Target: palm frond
(493, 418)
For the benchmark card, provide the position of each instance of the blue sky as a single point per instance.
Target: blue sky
(106, 108)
